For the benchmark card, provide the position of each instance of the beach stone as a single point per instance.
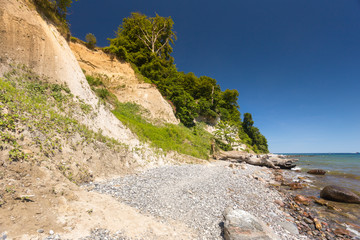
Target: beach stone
(341, 231)
(296, 185)
(4, 236)
(321, 202)
(279, 178)
(274, 183)
(317, 224)
(308, 221)
(290, 227)
(40, 230)
(241, 225)
(317, 172)
(301, 199)
(339, 194)
(279, 202)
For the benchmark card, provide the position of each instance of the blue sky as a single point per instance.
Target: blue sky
(296, 64)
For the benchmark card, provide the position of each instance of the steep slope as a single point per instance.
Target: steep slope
(27, 39)
(122, 81)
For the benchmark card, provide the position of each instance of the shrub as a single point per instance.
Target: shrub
(94, 81)
(91, 40)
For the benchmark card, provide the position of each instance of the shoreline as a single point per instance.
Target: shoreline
(341, 217)
(188, 201)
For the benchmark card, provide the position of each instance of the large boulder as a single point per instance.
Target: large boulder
(339, 194)
(241, 225)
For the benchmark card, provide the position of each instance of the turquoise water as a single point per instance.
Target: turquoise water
(343, 168)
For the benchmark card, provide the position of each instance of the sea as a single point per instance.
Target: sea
(343, 169)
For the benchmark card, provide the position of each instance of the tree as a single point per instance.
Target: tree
(91, 40)
(228, 106)
(63, 5)
(155, 32)
(144, 36)
(247, 122)
(257, 139)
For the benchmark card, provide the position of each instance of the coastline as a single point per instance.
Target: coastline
(340, 220)
(197, 196)
(188, 201)
(290, 219)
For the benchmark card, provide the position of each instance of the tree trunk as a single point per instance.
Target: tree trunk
(268, 160)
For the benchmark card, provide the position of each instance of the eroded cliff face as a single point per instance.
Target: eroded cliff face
(27, 39)
(122, 81)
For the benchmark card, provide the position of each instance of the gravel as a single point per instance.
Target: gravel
(103, 234)
(197, 195)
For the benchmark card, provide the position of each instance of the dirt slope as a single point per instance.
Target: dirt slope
(121, 81)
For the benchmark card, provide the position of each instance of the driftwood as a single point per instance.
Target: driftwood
(268, 160)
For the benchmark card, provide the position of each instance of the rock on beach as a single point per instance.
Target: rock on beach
(241, 225)
(317, 172)
(339, 194)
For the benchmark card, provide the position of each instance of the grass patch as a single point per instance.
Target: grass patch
(194, 142)
(97, 85)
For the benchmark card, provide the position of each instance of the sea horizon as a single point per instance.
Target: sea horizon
(322, 153)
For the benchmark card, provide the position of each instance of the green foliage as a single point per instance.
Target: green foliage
(258, 141)
(86, 108)
(91, 40)
(55, 11)
(94, 81)
(97, 85)
(227, 131)
(222, 145)
(16, 154)
(143, 37)
(168, 137)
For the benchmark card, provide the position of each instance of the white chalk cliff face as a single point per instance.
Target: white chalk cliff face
(26, 38)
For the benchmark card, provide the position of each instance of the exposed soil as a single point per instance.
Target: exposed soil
(121, 80)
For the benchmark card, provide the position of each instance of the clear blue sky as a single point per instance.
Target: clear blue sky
(296, 64)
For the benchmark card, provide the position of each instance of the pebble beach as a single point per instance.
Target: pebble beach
(197, 195)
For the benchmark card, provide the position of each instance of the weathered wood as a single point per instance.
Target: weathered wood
(268, 160)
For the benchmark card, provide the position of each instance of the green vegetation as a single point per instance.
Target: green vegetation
(55, 11)
(258, 141)
(147, 42)
(46, 111)
(97, 85)
(194, 142)
(91, 40)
